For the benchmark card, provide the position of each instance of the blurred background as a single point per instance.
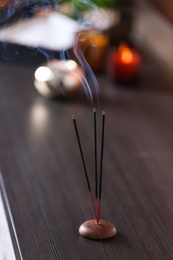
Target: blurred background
(31, 32)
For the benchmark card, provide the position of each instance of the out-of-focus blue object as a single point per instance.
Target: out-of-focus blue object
(16, 10)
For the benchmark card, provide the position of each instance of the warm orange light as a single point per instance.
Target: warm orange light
(126, 53)
(126, 56)
(4, 3)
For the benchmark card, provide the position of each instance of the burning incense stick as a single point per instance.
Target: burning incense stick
(96, 228)
(96, 174)
(101, 166)
(101, 156)
(98, 190)
(83, 162)
(95, 151)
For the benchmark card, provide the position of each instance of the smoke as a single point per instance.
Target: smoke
(24, 9)
(79, 53)
(80, 7)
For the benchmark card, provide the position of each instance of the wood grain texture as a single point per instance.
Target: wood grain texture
(44, 179)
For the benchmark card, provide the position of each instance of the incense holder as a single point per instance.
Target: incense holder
(93, 230)
(59, 78)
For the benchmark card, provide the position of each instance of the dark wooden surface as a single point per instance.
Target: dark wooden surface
(44, 179)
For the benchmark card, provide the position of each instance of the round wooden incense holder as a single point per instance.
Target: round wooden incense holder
(93, 230)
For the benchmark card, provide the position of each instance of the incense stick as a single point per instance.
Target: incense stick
(95, 160)
(101, 165)
(83, 162)
(95, 228)
(98, 186)
(95, 152)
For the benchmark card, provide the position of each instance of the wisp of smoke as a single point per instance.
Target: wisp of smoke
(79, 7)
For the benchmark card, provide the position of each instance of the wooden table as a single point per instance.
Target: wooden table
(42, 178)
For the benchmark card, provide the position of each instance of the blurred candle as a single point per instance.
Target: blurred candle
(124, 65)
(93, 45)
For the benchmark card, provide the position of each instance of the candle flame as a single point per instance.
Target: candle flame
(126, 56)
(126, 53)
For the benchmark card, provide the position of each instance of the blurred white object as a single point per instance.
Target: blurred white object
(58, 78)
(52, 31)
(6, 248)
